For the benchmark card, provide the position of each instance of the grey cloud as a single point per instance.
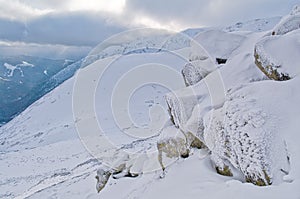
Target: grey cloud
(89, 28)
(208, 13)
(73, 28)
(11, 30)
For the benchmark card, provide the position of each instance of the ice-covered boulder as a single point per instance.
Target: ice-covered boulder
(219, 44)
(243, 133)
(199, 65)
(196, 70)
(102, 178)
(275, 63)
(236, 136)
(288, 23)
(256, 131)
(280, 64)
(120, 164)
(185, 109)
(174, 143)
(188, 106)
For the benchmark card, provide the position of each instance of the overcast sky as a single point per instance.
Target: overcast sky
(87, 22)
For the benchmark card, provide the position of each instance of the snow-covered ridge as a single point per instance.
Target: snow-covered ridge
(257, 25)
(24, 79)
(250, 130)
(160, 41)
(169, 41)
(288, 23)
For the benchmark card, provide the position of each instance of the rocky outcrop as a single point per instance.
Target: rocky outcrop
(198, 67)
(284, 36)
(192, 73)
(236, 138)
(102, 178)
(120, 164)
(268, 67)
(240, 134)
(173, 144)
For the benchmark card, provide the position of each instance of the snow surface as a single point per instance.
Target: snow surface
(42, 156)
(40, 140)
(257, 25)
(219, 44)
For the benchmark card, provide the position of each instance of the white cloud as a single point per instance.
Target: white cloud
(113, 6)
(195, 13)
(15, 10)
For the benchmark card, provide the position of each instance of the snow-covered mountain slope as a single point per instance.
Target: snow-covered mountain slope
(140, 41)
(257, 25)
(49, 147)
(45, 153)
(22, 85)
(21, 80)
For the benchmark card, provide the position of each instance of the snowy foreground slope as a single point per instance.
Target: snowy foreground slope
(42, 155)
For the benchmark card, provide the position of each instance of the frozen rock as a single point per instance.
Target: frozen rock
(243, 135)
(273, 62)
(102, 178)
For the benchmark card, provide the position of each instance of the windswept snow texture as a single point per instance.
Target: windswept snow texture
(42, 156)
(257, 25)
(49, 147)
